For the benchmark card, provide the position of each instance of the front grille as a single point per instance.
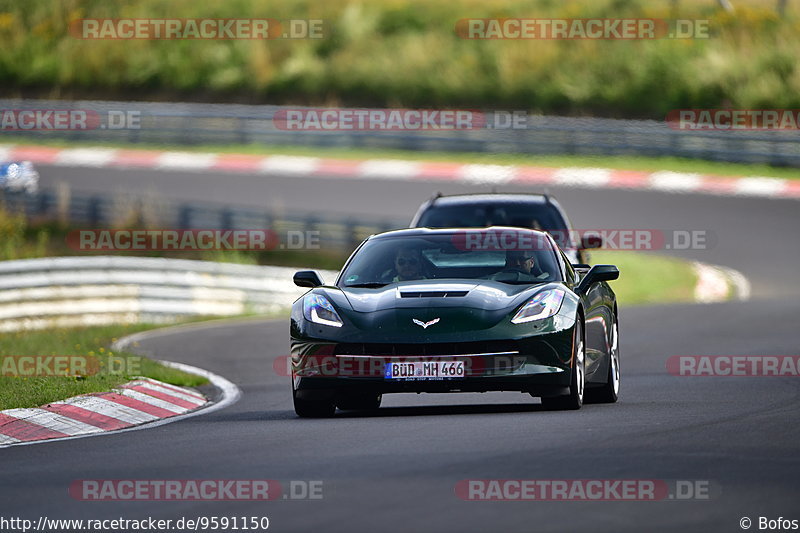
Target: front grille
(443, 348)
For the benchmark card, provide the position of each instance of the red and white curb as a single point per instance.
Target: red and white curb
(479, 174)
(142, 403)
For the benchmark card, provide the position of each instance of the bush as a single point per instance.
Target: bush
(406, 53)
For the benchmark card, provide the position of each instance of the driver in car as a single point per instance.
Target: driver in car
(408, 265)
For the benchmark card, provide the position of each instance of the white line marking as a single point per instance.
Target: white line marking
(289, 164)
(86, 157)
(52, 421)
(675, 181)
(582, 177)
(389, 169)
(757, 186)
(487, 174)
(185, 160)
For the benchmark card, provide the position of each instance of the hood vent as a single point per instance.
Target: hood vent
(433, 294)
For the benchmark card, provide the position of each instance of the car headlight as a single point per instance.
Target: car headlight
(317, 309)
(544, 305)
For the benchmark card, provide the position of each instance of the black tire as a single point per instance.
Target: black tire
(365, 401)
(319, 407)
(609, 392)
(577, 383)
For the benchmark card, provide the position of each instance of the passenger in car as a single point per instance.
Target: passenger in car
(520, 266)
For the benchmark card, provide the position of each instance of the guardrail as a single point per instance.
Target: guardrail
(185, 124)
(342, 233)
(84, 291)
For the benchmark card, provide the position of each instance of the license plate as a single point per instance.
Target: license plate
(424, 370)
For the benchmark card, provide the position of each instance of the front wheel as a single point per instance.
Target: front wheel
(609, 392)
(573, 400)
(313, 407)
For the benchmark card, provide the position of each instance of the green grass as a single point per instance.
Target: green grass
(642, 163)
(92, 343)
(648, 279)
(405, 53)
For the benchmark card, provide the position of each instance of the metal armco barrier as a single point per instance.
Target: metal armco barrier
(84, 291)
(187, 124)
(341, 233)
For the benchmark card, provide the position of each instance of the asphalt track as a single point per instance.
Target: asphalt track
(397, 470)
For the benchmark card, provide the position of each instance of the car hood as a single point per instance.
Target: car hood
(479, 294)
(431, 310)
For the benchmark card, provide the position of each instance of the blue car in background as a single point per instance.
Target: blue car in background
(19, 176)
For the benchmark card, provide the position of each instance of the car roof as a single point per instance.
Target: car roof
(419, 232)
(494, 198)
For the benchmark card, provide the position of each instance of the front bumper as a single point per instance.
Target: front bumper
(539, 364)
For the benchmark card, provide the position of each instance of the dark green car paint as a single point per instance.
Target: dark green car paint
(476, 328)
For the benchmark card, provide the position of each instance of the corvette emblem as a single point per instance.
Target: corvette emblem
(425, 324)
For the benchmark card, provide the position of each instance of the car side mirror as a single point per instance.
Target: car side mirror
(307, 278)
(591, 241)
(596, 274)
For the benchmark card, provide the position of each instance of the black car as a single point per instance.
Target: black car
(524, 210)
(455, 310)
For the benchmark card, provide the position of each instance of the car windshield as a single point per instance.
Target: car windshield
(507, 256)
(543, 216)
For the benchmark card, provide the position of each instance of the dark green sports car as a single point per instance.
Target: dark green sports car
(455, 310)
